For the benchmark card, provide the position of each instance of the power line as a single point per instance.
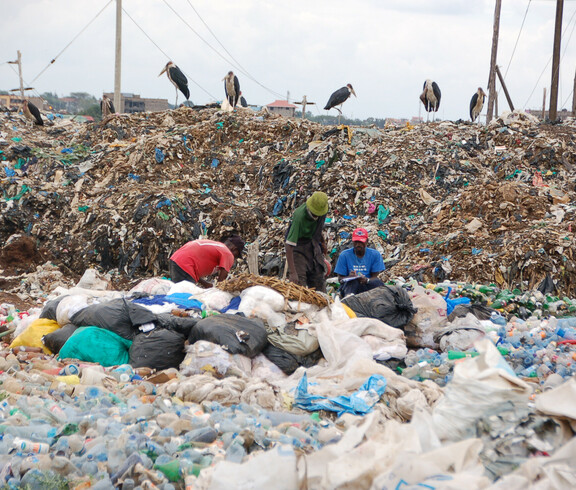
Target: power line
(74, 39)
(518, 38)
(242, 69)
(277, 94)
(164, 53)
(550, 60)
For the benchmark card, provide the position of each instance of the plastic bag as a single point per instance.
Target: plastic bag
(299, 342)
(154, 286)
(55, 340)
(69, 306)
(430, 318)
(205, 357)
(32, 336)
(93, 344)
(265, 303)
(158, 349)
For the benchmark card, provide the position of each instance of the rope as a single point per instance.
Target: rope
(241, 68)
(168, 57)
(74, 39)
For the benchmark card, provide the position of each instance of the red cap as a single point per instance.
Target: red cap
(360, 235)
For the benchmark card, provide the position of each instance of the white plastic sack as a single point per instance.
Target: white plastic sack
(155, 286)
(431, 317)
(69, 306)
(265, 303)
(213, 298)
(264, 368)
(92, 280)
(463, 332)
(268, 469)
(204, 357)
(480, 384)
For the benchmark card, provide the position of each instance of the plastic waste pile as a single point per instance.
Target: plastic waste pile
(441, 201)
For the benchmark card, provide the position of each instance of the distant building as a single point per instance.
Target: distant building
(563, 114)
(70, 104)
(282, 107)
(130, 103)
(14, 101)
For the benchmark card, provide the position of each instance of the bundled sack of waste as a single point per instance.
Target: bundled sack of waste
(117, 315)
(389, 304)
(289, 362)
(94, 344)
(430, 319)
(56, 340)
(205, 357)
(238, 334)
(159, 348)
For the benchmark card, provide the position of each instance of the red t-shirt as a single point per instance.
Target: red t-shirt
(200, 258)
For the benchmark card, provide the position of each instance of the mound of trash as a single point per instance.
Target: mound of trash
(442, 201)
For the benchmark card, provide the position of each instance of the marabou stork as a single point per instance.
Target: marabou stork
(106, 106)
(232, 89)
(178, 79)
(32, 113)
(476, 104)
(339, 97)
(430, 97)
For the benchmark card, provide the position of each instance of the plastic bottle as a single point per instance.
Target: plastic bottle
(26, 446)
(236, 451)
(497, 318)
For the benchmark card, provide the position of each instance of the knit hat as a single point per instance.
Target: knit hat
(317, 204)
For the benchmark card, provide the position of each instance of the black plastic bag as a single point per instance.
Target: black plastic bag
(182, 325)
(50, 308)
(159, 349)
(117, 315)
(55, 340)
(238, 334)
(390, 304)
(288, 362)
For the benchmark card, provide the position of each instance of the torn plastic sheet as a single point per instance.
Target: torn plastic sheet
(358, 403)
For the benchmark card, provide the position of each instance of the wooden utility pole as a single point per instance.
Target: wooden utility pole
(544, 105)
(501, 78)
(574, 98)
(492, 77)
(304, 102)
(118, 62)
(19, 63)
(556, 61)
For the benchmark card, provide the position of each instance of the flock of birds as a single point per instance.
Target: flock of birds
(430, 96)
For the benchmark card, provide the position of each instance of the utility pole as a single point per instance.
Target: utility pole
(553, 113)
(304, 102)
(492, 77)
(574, 98)
(118, 63)
(19, 63)
(544, 105)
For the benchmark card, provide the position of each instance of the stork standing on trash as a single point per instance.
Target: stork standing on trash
(178, 79)
(106, 107)
(232, 89)
(430, 97)
(476, 104)
(32, 113)
(338, 98)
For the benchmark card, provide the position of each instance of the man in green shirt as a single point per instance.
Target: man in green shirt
(305, 246)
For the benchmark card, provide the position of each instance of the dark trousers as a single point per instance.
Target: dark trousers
(311, 272)
(178, 274)
(354, 287)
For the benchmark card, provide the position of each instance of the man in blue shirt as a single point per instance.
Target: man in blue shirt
(358, 267)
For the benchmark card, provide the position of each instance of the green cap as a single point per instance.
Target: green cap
(317, 204)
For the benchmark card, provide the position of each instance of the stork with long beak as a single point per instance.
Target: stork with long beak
(430, 97)
(32, 113)
(232, 89)
(476, 104)
(178, 79)
(338, 98)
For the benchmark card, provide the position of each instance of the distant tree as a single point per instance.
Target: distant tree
(81, 95)
(94, 111)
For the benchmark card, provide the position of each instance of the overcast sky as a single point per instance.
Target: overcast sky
(384, 48)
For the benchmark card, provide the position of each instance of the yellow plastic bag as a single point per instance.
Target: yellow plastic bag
(32, 336)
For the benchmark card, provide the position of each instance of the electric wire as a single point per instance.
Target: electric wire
(164, 53)
(517, 39)
(549, 61)
(74, 39)
(243, 70)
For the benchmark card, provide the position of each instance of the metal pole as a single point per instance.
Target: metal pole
(553, 113)
(118, 63)
(501, 78)
(20, 75)
(492, 77)
(544, 105)
(574, 98)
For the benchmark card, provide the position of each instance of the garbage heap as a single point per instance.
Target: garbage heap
(441, 201)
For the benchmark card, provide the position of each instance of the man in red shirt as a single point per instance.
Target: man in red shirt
(201, 258)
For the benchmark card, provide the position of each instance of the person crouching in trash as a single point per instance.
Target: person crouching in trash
(201, 258)
(358, 267)
(305, 245)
